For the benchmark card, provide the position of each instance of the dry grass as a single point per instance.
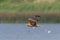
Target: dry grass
(50, 1)
(23, 16)
(28, 14)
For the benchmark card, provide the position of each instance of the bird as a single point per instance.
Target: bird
(32, 21)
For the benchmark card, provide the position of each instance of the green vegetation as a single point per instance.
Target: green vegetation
(24, 20)
(29, 7)
(21, 6)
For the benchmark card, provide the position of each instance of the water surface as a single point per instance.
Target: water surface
(22, 32)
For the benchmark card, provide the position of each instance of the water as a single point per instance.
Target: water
(22, 32)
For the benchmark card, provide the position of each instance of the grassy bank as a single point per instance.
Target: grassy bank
(8, 6)
(49, 11)
(23, 17)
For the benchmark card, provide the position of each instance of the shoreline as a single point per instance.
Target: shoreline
(22, 17)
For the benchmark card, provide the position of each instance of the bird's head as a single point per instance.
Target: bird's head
(37, 17)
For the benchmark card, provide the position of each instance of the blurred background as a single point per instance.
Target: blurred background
(18, 11)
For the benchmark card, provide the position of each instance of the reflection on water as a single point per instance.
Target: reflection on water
(22, 32)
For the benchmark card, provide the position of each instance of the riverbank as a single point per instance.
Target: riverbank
(21, 17)
(18, 11)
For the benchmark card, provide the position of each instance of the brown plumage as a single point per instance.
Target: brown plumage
(32, 21)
